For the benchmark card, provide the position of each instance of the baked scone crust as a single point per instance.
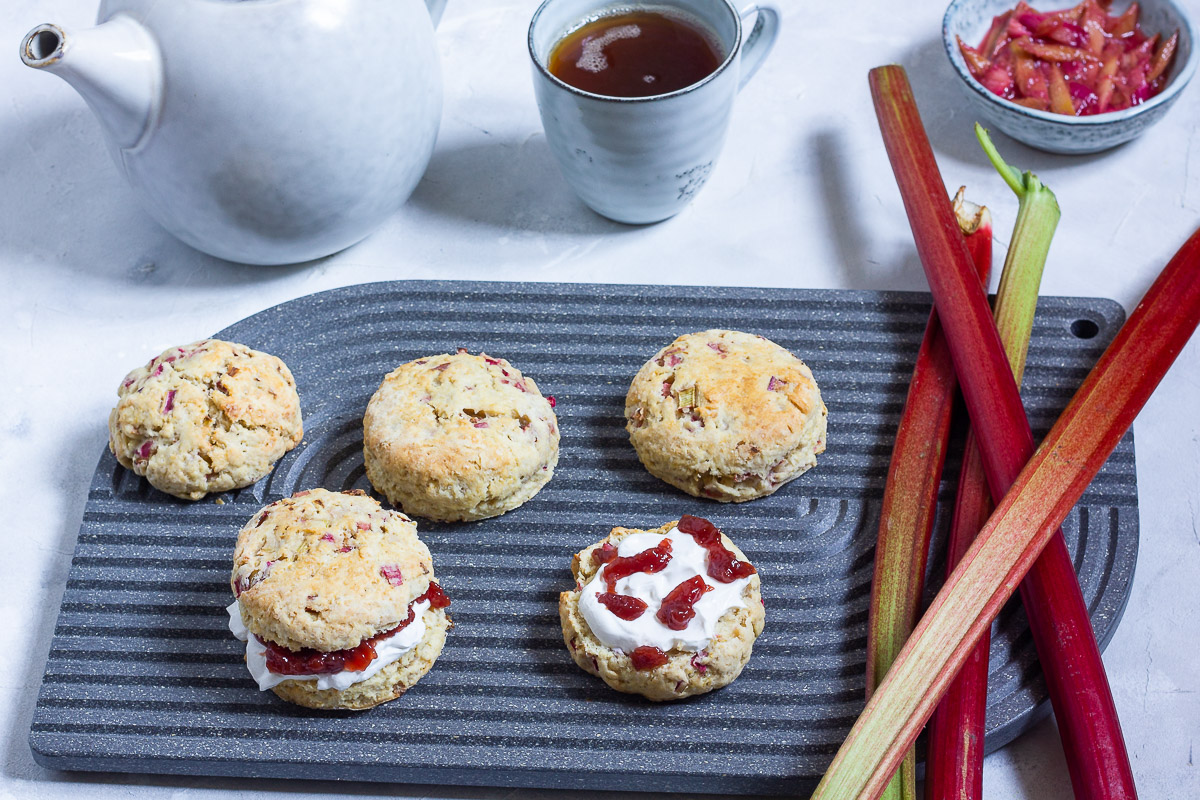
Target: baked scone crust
(209, 416)
(312, 570)
(459, 437)
(686, 673)
(726, 415)
(387, 684)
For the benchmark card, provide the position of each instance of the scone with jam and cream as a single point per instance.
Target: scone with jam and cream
(666, 613)
(336, 600)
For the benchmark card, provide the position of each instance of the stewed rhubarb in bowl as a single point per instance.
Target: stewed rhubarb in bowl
(1076, 79)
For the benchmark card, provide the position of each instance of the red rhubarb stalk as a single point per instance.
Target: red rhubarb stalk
(910, 495)
(1025, 520)
(1071, 660)
(954, 761)
(1084, 708)
(1046, 488)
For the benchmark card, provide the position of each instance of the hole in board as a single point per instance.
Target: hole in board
(1084, 329)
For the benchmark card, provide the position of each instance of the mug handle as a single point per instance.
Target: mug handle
(758, 42)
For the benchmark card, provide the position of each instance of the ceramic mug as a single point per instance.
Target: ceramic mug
(642, 159)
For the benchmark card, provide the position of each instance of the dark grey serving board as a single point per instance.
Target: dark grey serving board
(144, 677)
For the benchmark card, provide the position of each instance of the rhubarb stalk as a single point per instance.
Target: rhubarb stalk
(1046, 488)
(954, 760)
(1084, 708)
(1025, 520)
(910, 494)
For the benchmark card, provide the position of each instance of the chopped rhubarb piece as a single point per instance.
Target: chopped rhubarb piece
(646, 657)
(679, 606)
(364, 526)
(699, 665)
(462, 351)
(327, 537)
(441, 367)
(687, 397)
(719, 347)
(480, 424)
(345, 549)
(775, 384)
(146, 450)
(392, 574)
(550, 399)
(622, 605)
(170, 403)
(1078, 61)
(666, 387)
(669, 359)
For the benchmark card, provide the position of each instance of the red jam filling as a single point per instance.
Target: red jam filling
(308, 661)
(679, 606)
(646, 657)
(604, 553)
(626, 607)
(1078, 61)
(435, 596)
(723, 565)
(653, 560)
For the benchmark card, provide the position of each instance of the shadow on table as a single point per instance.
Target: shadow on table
(846, 213)
(64, 202)
(512, 186)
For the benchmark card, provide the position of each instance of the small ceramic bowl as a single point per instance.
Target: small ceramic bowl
(1058, 133)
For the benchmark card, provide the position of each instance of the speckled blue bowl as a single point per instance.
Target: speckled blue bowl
(1058, 133)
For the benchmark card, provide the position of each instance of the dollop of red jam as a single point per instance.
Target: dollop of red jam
(308, 661)
(723, 565)
(604, 553)
(646, 657)
(436, 597)
(624, 606)
(679, 606)
(653, 560)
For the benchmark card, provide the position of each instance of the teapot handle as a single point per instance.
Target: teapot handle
(436, 7)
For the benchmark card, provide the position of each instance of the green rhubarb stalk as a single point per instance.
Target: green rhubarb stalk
(1021, 279)
(954, 765)
(910, 494)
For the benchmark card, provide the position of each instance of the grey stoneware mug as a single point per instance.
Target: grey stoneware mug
(642, 159)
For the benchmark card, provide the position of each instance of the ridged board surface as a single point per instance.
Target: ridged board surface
(144, 677)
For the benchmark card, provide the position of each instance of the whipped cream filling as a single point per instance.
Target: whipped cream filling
(688, 560)
(387, 651)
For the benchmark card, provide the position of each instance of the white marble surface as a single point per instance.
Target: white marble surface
(803, 197)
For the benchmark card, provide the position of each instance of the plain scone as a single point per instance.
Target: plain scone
(205, 417)
(726, 415)
(459, 437)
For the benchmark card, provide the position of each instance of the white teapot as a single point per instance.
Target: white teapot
(260, 131)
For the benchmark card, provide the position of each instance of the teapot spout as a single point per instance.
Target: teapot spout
(115, 66)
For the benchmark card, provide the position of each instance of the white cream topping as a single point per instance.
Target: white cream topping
(387, 651)
(688, 560)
